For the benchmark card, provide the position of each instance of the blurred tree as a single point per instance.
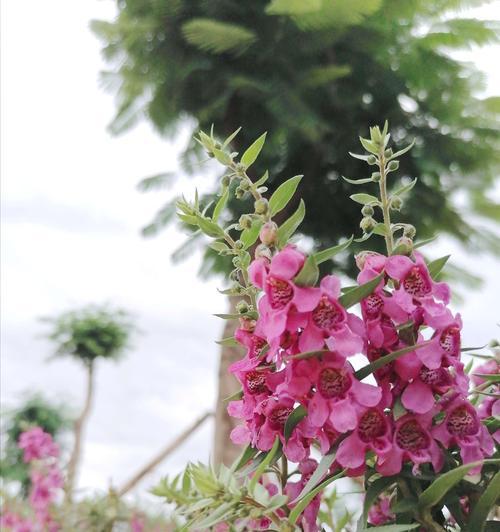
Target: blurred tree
(87, 335)
(315, 74)
(35, 411)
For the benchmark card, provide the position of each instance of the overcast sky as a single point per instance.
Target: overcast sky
(71, 218)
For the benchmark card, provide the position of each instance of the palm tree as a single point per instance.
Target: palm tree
(88, 334)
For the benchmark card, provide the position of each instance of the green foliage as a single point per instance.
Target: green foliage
(91, 333)
(235, 63)
(35, 411)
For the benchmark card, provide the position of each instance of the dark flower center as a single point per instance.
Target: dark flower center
(256, 382)
(373, 305)
(278, 417)
(462, 422)
(416, 284)
(372, 425)
(327, 314)
(432, 376)
(281, 293)
(410, 436)
(333, 382)
(450, 340)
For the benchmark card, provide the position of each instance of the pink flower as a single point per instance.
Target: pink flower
(380, 512)
(445, 343)
(37, 445)
(15, 523)
(492, 367)
(462, 427)
(137, 523)
(329, 323)
(411, 441)
(373, 433)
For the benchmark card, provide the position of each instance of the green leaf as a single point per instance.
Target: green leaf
(482, 508)
(382, 361)
(283, 194)
(249, 236)
(222, 157)
(364, 199)
(292, 7)
(405, 188)
(358, 156)
(262, 180)
(218, 246)
(219, 207)
(208, 227)
(327, 254)
(309, 274)
(264, 464)
(404, 506)
(217, 37)
(355, 295)
(293, 420)
(230, 341)
(358, 181)
(288, 228)
(251, 154)
(440, 487)
(302, 503)
(317, 476)
(231, 138)
(392, 528)
(403, 151)
(369, 146)
(437, 265)
(374, 490)
(219, 514)
(424, 242)
(247, 454)
(488, 376)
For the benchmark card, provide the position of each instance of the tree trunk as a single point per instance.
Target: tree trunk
(158, 459)
(74, 460)
(224, 450)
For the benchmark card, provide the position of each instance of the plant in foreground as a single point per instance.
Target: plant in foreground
(406, 421)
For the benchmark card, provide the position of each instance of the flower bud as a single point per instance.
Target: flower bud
(239, 192)
(247, 324)
(393, 165)
(409, 231)
(239, 244)
(395, 203)
(261, 206)
(376, 177)
(245, 221)
(367, 224)
(371, 159)
(225, 181)
(268, 233)
(367, 210)
(404, 245)
(242, 307)
(245, 184)
(360, 258)
(388, 153)
(263, 252)
(236, 262)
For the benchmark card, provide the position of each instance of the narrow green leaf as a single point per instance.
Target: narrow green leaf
(437, 265)
(440, 487)
(392, 528)
(403, 151)
(466, 349)
(404, 506)
(488, 376)
(422, 243)
(283, 194)
(209, 228)
(219, 514)
(374, 490)
(247, 454)
(382, 361)
(405, 188)
(358, 156)
(302, 503)
(233, 397)
(231, 138)
(355, 295)
(222, 157)
(327, 254)
(218, 246)
(219, 207)
(293, 420)
(262, 180)
(364, 199)
(358, 181)
(482, 508)
(368, 145)
(288, 228)
(322, 469)
(309, 274)
(379, 229)
(251, 154)
(230, 341)
(264, 464)
(249, 236)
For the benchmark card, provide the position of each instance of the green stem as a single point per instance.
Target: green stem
(389, 241)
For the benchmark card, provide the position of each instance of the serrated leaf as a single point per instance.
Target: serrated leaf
(387, 359)
(374, 490)
(355, 295)
(364, 199)
(358, 181)
(402, 152)
(477, 519)
(219, 207)
(405, 188)
(252, 152)
(327, 254)
(437, 265)
(309, 274)
(249, 236)
(293, 420)
(288, 228)
(318, 475)
(283, 194)
(440, 487)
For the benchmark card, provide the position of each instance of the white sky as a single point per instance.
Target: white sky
(70, 236)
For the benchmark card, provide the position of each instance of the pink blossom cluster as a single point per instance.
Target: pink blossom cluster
(40, 451)
(299, 353)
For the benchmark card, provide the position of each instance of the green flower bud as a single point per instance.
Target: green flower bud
(393, 165)
(261, 206)
(239, 192)
(367, 210)
(225, 181)
(395, 203)
(245, 184)
(245, 221)
(409, 231)
(367, 224)
(236, 262)
(371, 160)
(242, 307)
(239, 244)
(388, 153)
(404, 245)
(263, 252)
(376, 177)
